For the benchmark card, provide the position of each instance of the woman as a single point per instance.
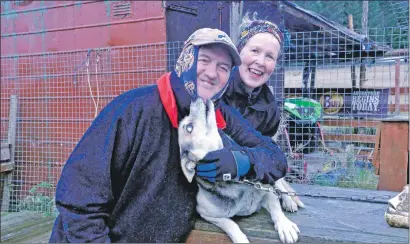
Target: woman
(259, 45)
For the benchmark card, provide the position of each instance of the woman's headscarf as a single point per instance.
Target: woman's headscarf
(256, 27)
(186, 66)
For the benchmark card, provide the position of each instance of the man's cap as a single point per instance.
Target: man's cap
(212, 36)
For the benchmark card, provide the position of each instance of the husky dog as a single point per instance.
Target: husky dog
(218, 202)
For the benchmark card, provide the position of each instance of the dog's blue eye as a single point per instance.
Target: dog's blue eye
(189, 128)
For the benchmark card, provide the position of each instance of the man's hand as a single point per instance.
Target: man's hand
(223, 165)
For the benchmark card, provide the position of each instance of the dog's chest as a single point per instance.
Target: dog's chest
(250, 201)
(229, 200)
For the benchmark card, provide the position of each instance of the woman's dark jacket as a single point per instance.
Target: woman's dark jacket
(123, 181)
(259, 107)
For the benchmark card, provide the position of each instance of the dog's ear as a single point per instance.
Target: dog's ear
(198, 109)
(192, 108)
(210, 116)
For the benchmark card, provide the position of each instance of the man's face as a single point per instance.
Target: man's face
(213, 69)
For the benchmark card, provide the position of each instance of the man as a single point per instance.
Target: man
(123, 181)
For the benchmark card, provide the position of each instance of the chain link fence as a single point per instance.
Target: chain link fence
(60, 93)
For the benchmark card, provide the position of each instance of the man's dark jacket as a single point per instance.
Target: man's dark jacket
(123, 181)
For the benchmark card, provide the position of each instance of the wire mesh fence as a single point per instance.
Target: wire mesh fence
(58, 97)
(336, 92)
(59, 94)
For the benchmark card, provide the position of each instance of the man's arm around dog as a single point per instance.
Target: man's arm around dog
(268, 162)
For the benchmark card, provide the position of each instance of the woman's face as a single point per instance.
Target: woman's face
(259, 57)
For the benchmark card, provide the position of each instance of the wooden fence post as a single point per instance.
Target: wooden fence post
(352, 68)
(397, 87)
(11, 141)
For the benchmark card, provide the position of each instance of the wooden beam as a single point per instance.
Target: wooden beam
(6, 167)
(313, 74)
(353, 75)
(235, 20)
(365, 14)
(11, 135)
(376, 156)
(397, 86)
(393, 155)
(402, 90)
(402, 108)
(11, 139)
(396, 52)
(350, 123)
(5, 152)
(305, 76)
(362, 74)
(350, 22)
(350, 138)
(352, 67)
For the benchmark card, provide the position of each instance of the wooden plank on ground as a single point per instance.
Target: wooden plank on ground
(353, 194)
(9, 216)
(16, 223)
(325, 219)
(25, 227)
(329, 216)
(198, 236)
(41, 238)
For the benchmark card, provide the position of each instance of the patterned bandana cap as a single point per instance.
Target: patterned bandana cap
(256, 27)
(186, 69)
(186, 66)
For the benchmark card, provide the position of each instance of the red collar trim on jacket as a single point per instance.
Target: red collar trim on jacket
(170, 105)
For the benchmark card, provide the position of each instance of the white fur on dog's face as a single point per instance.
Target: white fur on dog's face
(196, 136)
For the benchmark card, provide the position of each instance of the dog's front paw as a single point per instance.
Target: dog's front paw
(240, 239)
(287, 230)
(288, 204)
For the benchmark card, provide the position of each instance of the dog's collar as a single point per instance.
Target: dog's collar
(168, 101)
